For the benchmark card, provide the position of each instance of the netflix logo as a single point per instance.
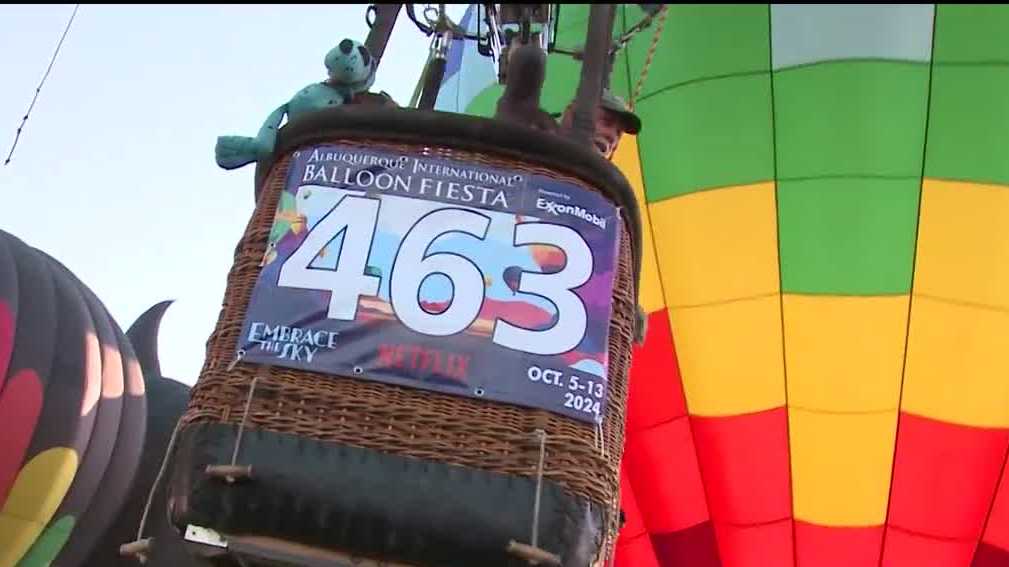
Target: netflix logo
(417, 359)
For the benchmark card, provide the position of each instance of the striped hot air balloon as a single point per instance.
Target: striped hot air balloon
(466, 71)
(71, 410)
(826, 197)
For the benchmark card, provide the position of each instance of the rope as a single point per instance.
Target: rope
(238, 358)
(539, 487)
(157, 480)
(602, 439)
(38, 89)
(663, 12)
(171, 447)
(245, 418)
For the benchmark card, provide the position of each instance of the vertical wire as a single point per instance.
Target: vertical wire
(52, 61)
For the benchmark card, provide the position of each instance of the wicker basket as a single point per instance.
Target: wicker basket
(496, 437)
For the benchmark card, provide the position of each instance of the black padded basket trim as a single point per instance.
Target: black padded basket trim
(370, 503)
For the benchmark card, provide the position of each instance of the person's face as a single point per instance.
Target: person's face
(608, 133)
(608, 130)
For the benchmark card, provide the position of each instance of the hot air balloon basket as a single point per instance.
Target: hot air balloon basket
(383, 470)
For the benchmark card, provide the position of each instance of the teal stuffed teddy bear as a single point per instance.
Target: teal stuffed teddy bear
(351, 71)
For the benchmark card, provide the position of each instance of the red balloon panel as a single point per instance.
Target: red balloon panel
(944, 478)
(634, 524)
(656, 393)
(633, 547)
(755, 546)
(20, 406)
(694, 546)
(829, 546)
(662, 465)
(906, 549)
(635, 552)
(745, 467)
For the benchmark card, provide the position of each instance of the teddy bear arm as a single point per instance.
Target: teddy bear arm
(314, 97)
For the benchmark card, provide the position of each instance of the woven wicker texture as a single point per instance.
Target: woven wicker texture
(487, 435)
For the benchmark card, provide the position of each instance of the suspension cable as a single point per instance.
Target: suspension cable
(38, 89)
(663, 12)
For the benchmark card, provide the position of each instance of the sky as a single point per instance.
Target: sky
(114, 174)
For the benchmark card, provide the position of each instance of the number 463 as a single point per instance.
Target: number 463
(357, 218)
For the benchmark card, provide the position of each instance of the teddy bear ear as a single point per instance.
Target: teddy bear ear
(365, 55)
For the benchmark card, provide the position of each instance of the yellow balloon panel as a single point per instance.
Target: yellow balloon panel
(957, 363)
(717, 245)
(963, 253)
(40, 487)
(843, 353)
(16, 536)
(841, 466)
(730, 356)
(627, 160)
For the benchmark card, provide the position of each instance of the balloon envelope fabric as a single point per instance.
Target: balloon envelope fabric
(66, 422)
(82, 491)
(827, 194)
(8, 309)
(32, 367)
(123, 471)
(61, 408)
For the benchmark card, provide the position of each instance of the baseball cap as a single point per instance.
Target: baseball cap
(616, 105)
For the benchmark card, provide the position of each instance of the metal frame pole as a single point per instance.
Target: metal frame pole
(595, 65)
(385, 21)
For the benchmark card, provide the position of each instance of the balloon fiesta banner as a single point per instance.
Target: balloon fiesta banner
(441, 274)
